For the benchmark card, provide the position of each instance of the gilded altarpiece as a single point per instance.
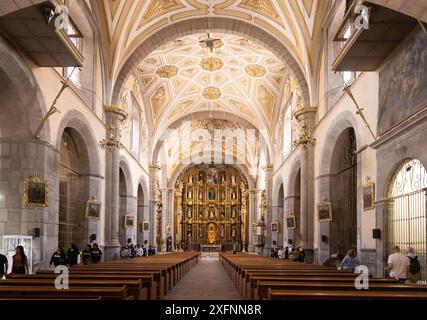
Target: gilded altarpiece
(211, 208)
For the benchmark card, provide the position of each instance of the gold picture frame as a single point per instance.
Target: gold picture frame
(291, 222)
(368, 192)
(36, 192)
(93, 209)
(275, 226)
(324, 211)
(145, 226)
(129, 220)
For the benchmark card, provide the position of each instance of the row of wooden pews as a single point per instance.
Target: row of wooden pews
(140, 278)
(259, 278)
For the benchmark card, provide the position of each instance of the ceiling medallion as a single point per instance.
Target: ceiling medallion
(211, 64)
(167, 71)
(255, 70)
(211, 93)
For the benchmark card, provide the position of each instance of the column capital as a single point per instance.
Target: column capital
(116, 110)
(305, 113)
(155, 166)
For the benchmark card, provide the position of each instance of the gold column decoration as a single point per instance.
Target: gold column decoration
(263, 206)
(303, 116)
(158, 200)
(243, 213)
(117, 116)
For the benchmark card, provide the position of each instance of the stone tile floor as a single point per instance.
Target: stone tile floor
(206, 281)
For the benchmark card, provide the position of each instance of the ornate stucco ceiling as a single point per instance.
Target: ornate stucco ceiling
(240, 77)
(126, 23)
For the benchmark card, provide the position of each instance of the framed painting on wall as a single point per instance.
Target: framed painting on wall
(35, 192)
(93, 209)
(290, 222)
(274, 226)
(129, 220)
(368, 195)
(324, 211)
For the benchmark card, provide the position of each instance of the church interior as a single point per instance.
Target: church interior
(225, 149)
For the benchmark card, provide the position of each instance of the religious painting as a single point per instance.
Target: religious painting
(290, 222)
(35, 192)
(146, 226)
(403, 83)
(93, 208)
(325, 211)
(202, 177)
(274, 226)
(212, 194)
(368, 191)
(129, 220)
(212, 176)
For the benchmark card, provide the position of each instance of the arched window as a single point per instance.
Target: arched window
(407, 210)
(287, 132)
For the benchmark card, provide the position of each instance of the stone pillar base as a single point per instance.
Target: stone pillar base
(111, 251)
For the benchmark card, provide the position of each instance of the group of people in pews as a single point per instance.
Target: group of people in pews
(405, 268)
(136, 251)
(289, 252)
(90, 254)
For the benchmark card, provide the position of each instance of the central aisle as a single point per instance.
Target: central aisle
(207, 280)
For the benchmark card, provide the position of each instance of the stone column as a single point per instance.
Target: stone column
(114, 116)
(154, 171)
(167, 215)
(306, 117)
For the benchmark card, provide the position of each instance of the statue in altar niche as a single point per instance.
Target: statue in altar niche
(233, 232)
(190, 179)
(201, 177)
(212, 234)
(233, 194)
(233, 213)
(189, 212)
(189, 193)
(212, 195)
(200, 213)
(200, 195)
(233, 179)
(211, 213)
(222, 213)
(222, 194)
(222, 232)
(222, 177)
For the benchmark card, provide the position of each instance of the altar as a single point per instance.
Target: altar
(211, 250)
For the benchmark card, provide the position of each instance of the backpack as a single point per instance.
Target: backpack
(414, 266)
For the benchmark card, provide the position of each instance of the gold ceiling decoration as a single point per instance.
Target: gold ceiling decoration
(217, 43)
(264, 7)
(167, 71)
(159, 7)
(255, 70)
(211, 64)
(211, 93)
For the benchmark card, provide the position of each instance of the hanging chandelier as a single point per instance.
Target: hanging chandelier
(305, 138)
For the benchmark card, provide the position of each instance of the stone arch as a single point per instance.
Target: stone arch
(263, 134)
(215, 24)
(76, 120)
(127, 203)
(293, 199)
(142, 211)
(21, 97)
(341, 122)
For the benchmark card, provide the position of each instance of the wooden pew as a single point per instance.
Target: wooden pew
(48, 292)
(134, 287)
(344, 295)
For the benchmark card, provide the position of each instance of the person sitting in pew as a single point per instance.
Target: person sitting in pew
(20, 261)
(397, 265)
(86, 254)
(124, 253)
(151, 251)
(4, 265)
(350, 261)
(280, 253)
(95, 254)
(58, 258)
(414, 270)
(139, 251)
(73, 254)
(301, 255)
